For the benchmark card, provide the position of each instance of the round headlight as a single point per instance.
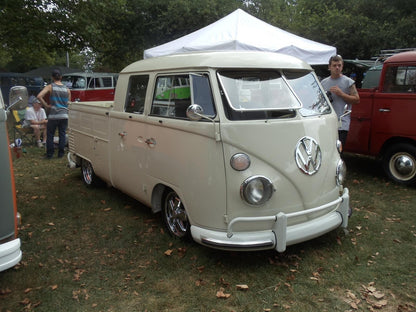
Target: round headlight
(341, 172)
(240, 161)
(256, 190)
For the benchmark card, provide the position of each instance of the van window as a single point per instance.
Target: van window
(136, 94)
(202, 95)
(309, 93)
(372, 77)
(107, 82)
(257, 90)
(400, 79)
(174, 94)
(74, 82)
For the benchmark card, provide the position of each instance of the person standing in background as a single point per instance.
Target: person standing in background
(59, 96)
(343, 93)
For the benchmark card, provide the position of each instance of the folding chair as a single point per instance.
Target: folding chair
(20, 130)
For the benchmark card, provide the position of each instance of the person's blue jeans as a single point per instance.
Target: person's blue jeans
(52, 124)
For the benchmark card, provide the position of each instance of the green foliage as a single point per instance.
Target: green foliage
(114, 33)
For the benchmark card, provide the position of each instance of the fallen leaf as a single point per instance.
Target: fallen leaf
(378, 295)
(107, 209)
(222, 295)
(380, 304)
(354, 305)
(242, 287)
(168, 252)
(5, 291)
(54, 287)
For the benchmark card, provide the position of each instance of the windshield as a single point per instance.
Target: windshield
(271, 94)
(310, 94)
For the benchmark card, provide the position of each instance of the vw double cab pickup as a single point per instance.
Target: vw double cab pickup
(238, 150)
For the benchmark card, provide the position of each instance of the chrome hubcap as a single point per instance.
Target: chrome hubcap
(402, 166)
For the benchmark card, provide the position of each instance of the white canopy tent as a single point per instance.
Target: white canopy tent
(241, 31)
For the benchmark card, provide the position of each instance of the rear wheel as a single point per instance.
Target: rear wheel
(399, 163)
(175, 216)
(88, 174)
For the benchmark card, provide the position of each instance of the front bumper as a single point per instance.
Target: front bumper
(280, 235)
(10, 254)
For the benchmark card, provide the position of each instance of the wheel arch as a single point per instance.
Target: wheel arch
(158, 193)
(394, 141)
(157, 197)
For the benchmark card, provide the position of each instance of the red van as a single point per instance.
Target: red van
(383, 124)
(91, 86)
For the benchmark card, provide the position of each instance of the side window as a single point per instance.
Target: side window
(136, 94)
(107, 82)
(172, 96)
(78, 83)
(400, 79)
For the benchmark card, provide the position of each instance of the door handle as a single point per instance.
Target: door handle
(384, 110)
(150, 142)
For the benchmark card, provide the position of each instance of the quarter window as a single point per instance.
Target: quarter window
(136, 94)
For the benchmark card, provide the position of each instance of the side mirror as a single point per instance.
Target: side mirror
(345, 113)
(18, 98)
(194, 112)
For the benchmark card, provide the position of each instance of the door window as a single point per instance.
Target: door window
(400, 79)
(174, 94)
(136, 94)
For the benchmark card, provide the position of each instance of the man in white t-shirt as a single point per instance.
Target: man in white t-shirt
(36, 118)
(343, 92)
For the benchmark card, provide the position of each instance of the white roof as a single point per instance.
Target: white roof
(241, 31)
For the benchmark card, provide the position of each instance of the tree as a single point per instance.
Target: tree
(34, 33)
(115, 33)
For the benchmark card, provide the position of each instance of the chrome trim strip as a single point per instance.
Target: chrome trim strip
(246, 245)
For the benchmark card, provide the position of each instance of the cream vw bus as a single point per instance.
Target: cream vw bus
(238, 150)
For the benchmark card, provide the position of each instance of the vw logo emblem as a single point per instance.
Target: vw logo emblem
(308, 155)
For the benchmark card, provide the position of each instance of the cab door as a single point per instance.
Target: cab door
(395, 106)
(186, 155)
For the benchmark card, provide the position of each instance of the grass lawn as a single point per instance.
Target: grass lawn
(96, 249)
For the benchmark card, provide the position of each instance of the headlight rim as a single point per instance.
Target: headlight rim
(266, 195)
(341, 172)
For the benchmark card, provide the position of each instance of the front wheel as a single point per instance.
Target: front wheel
(399, 163)
(88, 174)
(175, 216)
